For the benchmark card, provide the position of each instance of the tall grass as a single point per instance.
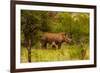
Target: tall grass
(67, 52)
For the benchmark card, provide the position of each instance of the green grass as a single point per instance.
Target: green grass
(67, 52)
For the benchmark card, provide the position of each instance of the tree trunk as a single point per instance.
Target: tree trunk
(29, 55)
(29, 51)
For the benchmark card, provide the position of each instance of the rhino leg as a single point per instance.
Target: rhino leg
(43, 44)
(54, 45)
(59, 45)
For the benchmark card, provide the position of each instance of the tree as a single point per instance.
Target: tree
(29, 27)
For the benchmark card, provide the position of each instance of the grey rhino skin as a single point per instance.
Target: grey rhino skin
(54, 38)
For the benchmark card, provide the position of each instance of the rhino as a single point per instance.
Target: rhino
(54, 38)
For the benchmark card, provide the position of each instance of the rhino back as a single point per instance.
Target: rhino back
(54, 37)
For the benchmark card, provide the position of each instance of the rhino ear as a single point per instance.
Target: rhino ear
(68, 35)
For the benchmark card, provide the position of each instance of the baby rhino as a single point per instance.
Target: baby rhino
(54, 38)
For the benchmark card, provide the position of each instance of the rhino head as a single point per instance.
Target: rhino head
(67, 38)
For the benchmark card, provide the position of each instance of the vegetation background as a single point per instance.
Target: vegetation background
(34, 23)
